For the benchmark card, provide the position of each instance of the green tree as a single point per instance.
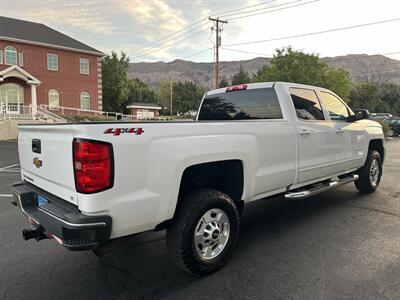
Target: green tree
(223, 83)
(139, 92)
(299, 67)
(376, 97)
(390, 95)
(186, 97)
(114, 71)
(242, 76)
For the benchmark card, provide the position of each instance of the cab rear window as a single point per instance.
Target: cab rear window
(242, 105)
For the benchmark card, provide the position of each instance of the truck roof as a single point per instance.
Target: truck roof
(260, 85)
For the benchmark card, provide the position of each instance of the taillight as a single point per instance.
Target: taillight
(234, 88)
(93, 166)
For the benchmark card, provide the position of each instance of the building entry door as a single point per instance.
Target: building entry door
(12, 97)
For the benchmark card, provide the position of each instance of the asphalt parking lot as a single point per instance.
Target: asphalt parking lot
(339, 244)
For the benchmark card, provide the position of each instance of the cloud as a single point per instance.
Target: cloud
(155, 16)
(81, 16)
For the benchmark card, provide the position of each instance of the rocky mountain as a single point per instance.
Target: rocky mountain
(361, 67)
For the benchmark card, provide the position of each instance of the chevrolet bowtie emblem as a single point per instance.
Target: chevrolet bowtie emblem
(37, 162)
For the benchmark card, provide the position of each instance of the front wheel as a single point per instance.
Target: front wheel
(370, 174)
(204, 232)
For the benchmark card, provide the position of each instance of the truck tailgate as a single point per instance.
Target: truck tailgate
(46, 161)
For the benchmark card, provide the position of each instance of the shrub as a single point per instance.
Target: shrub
(385, 128)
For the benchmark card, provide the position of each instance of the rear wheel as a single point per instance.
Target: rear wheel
(370, 174)
(204, 232)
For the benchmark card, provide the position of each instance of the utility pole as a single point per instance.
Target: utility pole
(218, 30)
(170, 96)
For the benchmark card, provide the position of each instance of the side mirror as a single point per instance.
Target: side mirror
(361, 114)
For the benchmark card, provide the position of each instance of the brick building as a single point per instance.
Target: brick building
(41, 66)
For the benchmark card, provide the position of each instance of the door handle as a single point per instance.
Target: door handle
(305, 132)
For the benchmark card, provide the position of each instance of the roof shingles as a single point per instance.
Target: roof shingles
(39, 33)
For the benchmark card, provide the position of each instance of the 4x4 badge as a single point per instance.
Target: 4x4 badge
(37, 162)
(118, 131)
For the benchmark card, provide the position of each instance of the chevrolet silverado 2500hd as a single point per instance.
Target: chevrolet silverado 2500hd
(88, 184)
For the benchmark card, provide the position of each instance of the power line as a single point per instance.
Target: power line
(163, 39)
(169, 35)
(258, 9)
(324, 58)
(170, 45)
(172, 37)
(197, 53)
(222, 14)
(278, 9)
(315, 33)
(150, 49)
(334, 60)
(247, 52)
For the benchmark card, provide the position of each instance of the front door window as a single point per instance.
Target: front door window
(12, 97)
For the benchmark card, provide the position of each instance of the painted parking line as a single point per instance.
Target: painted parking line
(8, 167)
(12, 171)
(6, 195)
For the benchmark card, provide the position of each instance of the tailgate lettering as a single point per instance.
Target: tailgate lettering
(118, 131)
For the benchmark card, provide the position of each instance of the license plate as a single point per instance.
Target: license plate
(41, 200)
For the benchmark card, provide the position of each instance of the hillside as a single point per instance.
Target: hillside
(361, 67)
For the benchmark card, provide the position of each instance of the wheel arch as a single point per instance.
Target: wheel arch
(378, 145)
(227, 176)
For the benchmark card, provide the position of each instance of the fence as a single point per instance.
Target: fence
(16, 112)
(65, 111)
(25, 112)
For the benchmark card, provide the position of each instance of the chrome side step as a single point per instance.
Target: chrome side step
(319, 188)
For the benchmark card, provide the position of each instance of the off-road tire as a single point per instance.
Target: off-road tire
(180, 235)
(364, 184)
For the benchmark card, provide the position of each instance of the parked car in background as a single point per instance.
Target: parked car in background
(380, 116)
(394, 124)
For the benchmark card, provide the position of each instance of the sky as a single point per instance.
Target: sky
(131, 25)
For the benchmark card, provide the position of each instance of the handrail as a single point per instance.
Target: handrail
(26, 112)
(51, 115)
(79, 111)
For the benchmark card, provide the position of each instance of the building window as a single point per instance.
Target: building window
(54, 99)
(21, 59)
(85, 100)
(11, 55)
(1, 56)
(52, 62)
(84, 66)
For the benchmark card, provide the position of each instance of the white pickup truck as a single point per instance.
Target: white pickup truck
(88, 184)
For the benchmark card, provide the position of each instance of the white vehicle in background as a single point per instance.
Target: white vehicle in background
(380, 116)
(88, 184)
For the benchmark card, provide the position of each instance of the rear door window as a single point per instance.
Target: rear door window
(306, 104)
(241, 105)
